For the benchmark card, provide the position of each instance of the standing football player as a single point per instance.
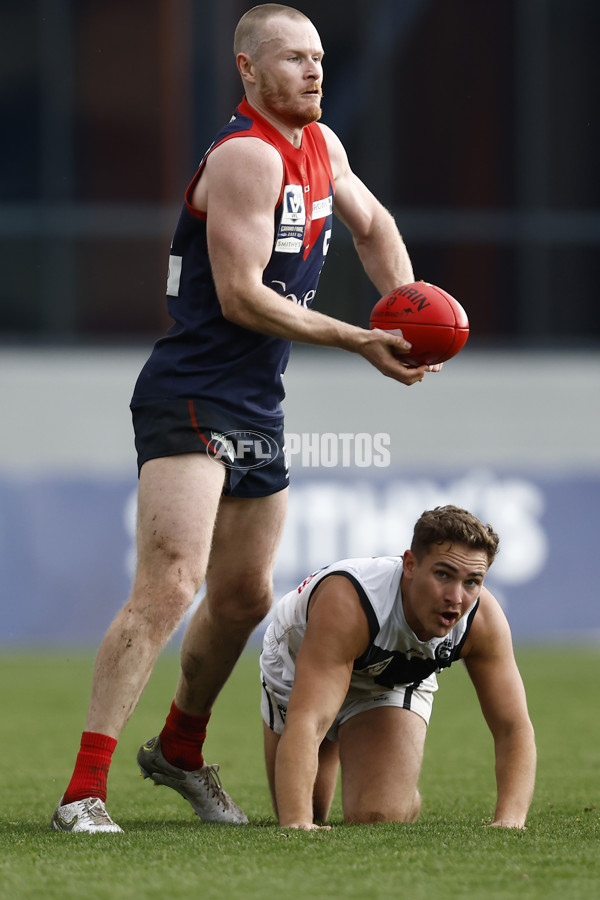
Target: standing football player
(245, 262)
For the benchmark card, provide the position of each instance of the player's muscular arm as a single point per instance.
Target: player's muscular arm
(239, 190)
(376, 237)
(244, 181)
(490, 661)
(337, 633)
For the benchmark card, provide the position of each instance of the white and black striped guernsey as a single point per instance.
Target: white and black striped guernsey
(395, 656)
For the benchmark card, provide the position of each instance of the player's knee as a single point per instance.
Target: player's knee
(165, 596)
(149, 621)
(406, 810)
(246, 603)
(415, 808)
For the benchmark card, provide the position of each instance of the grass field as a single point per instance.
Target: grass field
(166, 852)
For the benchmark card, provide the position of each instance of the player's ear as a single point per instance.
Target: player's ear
(245, 66)
(409, 562)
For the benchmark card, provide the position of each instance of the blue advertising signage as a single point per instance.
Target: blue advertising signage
(67, 545)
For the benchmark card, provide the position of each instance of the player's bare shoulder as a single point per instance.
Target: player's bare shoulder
(337, 153)
(246, 149)
(489, 628)
(240, 167)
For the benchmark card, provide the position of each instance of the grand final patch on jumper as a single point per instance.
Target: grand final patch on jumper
(290, 235)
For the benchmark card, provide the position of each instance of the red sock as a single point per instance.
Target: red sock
(91, 768)
(182, 738)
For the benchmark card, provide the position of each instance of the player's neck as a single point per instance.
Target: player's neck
(292, 133)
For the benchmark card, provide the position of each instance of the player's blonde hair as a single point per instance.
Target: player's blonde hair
(456, 525)
(250, 34)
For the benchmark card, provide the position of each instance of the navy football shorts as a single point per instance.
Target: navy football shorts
(254, 459)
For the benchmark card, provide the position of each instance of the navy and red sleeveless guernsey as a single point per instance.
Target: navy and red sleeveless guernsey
(235, 373)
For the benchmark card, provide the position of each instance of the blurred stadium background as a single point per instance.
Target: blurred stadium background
(477, 123)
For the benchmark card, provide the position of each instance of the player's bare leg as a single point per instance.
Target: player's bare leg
(238, 596)
(177, 506)
(381, 752)
(239, 593)
(327, 774)
(271, 741)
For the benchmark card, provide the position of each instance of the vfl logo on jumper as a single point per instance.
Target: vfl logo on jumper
(242, 449)
(290, 235)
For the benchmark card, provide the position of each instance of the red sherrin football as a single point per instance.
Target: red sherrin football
(434, 322)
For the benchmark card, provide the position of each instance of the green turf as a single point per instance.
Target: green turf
(166, 852)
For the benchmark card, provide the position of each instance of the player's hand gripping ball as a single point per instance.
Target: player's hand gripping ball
(429, 318)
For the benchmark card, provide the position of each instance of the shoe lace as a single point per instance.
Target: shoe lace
(213, 779)
(215, 787)
(97, 813)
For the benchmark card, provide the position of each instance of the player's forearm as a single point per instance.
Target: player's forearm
(383, 254)
(296, 769)
(515, 777)
(264, 310)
